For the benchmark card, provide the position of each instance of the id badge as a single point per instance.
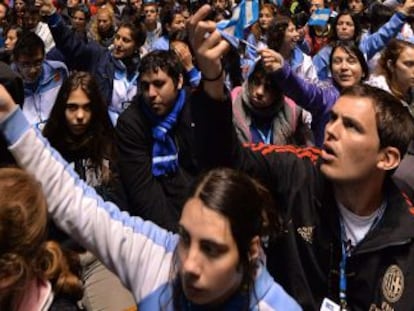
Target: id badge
(329, 305)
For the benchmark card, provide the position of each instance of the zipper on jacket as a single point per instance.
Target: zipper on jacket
(374, 249)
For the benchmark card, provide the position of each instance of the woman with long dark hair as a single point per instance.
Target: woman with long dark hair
(283, 37)
(80, 129)
(394, 73)
(172, 20)
(348, 67)
(11, 34)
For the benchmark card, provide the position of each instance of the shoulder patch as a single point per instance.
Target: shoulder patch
(393, 284)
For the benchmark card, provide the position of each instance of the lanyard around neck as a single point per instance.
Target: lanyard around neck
(346, 247)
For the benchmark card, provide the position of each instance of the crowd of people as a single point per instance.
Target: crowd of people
(151, 161)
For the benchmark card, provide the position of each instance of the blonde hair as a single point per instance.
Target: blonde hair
(106, 9)
(24, 252)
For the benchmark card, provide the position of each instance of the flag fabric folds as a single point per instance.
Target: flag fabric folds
(320, 17)
(245, 14)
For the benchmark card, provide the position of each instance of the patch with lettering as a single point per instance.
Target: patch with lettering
(393, 284)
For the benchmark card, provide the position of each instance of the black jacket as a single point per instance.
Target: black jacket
(305, 259)
(159, 199)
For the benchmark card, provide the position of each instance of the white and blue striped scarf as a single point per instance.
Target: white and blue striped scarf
(164, 150)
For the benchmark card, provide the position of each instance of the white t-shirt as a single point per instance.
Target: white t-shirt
(357, 227)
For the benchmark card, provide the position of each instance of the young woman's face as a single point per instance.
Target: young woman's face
(19, 5)
(78, 112)
(346, 68)
(177, 24)
(79, 21)
(208, 256)
(11, 39)
(265, 18)
(345, 28)
(137, 4)
(403, 70)
(291, 37)
(124, 44)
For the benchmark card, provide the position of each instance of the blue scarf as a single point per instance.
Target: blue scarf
(164, 150)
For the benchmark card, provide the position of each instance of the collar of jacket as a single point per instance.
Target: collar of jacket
(395, 229)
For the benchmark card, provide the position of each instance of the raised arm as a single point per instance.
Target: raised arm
(138, 252)
(208, 48)
(375, 42)
(317, 99)
(75, 50)
(307, 94)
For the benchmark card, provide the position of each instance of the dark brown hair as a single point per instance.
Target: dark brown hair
(97, 143)
(386, 63)
(394, 123)
(251, 212)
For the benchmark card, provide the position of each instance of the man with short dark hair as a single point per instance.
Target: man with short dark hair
(152, 24)
(42, 78)
(348, 238)
(155, 137)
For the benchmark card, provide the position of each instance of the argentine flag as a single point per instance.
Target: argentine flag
(245, 14)
(320, 17)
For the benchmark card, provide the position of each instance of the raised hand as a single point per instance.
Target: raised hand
(183, 52)
(208, 47)
(271, 59)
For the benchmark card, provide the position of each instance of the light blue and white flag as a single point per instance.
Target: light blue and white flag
(278, 3)
(245, 14)
(320, 17)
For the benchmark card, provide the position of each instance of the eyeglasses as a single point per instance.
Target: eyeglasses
(29, 65)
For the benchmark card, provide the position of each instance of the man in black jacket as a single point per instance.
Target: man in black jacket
(349, 232)
(155, 138)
